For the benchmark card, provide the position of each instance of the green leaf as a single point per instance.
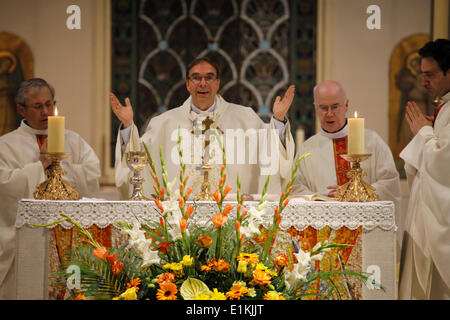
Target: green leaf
(192, 287)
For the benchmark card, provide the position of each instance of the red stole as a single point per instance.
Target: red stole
(436, 112)
(40, 139)
(342, 166)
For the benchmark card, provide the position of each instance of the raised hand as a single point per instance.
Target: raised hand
(281, 106)
(123, 113)
(415, 117)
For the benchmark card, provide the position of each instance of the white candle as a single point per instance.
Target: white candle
(355, 135)
(56, 127)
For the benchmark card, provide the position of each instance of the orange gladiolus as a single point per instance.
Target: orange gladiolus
(285, 203)
(183, 224)
(181, 187)
(216, 196)
(219, 219)
(188, 192)
(159, 204)
(116, 266)
(161, 192)
(237, 225)
(181, 202)
(189, 211)
(278, 219)
(227, 189)
(101, 253)
(227, 209)
(220, 181)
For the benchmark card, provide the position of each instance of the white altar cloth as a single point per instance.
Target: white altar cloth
(377, 220)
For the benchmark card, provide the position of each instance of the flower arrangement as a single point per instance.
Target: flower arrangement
(174, 259)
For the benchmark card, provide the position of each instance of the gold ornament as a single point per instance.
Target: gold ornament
(356, 190)
(55, 187)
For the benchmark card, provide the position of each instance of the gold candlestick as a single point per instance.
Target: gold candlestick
(55, 187)
(137, 160)
(356, 190)
(205, 193)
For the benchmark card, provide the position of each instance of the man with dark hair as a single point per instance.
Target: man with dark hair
(22, 168)
(425, 272)
(206, 109)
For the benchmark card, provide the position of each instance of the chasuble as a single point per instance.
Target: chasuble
(253, 149)
(20, 173)
(425, 270)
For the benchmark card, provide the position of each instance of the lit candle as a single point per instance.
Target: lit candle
(56, 126)
(355, 135)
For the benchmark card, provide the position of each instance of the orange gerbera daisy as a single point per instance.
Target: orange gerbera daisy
(261, 277)
(236, 292)
(167, 291)
(134, 283)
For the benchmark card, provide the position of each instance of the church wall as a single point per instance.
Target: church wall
(61, 56)
(360, 56)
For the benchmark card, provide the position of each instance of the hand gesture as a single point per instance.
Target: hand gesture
(415, 117)
(45, 160)
(281, 106)
(123, 113)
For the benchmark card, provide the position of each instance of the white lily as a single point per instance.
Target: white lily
(254, 220)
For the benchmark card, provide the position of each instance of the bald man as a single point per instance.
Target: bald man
(324, 171)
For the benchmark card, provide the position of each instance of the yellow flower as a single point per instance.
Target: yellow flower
(251, 292)
(216, 295)
(187, 261)
(176, 267)
(249, 257)
(261, 266)
(202, 296)
(242, 266)
(273, 295)
(129, 294)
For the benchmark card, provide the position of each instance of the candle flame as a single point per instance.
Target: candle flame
(356, 114)
(56, 110)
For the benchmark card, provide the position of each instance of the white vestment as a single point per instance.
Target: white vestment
(426, 260)
(253, 149)
(318, 171)
(20, 173)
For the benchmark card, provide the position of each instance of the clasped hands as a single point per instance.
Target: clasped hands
(415, 117)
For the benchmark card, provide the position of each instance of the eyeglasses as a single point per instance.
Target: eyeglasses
(210, 78)
(40, 106)
(334, 108)
(428, 75)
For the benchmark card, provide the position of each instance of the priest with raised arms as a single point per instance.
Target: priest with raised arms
(258, 149)
(425, 272)
(324, 171)
(22, 168)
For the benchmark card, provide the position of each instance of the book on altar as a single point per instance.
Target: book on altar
(313, 197)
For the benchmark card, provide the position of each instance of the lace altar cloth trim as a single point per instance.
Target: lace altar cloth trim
(299, 213)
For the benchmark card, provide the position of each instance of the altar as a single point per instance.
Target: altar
(368, 226)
